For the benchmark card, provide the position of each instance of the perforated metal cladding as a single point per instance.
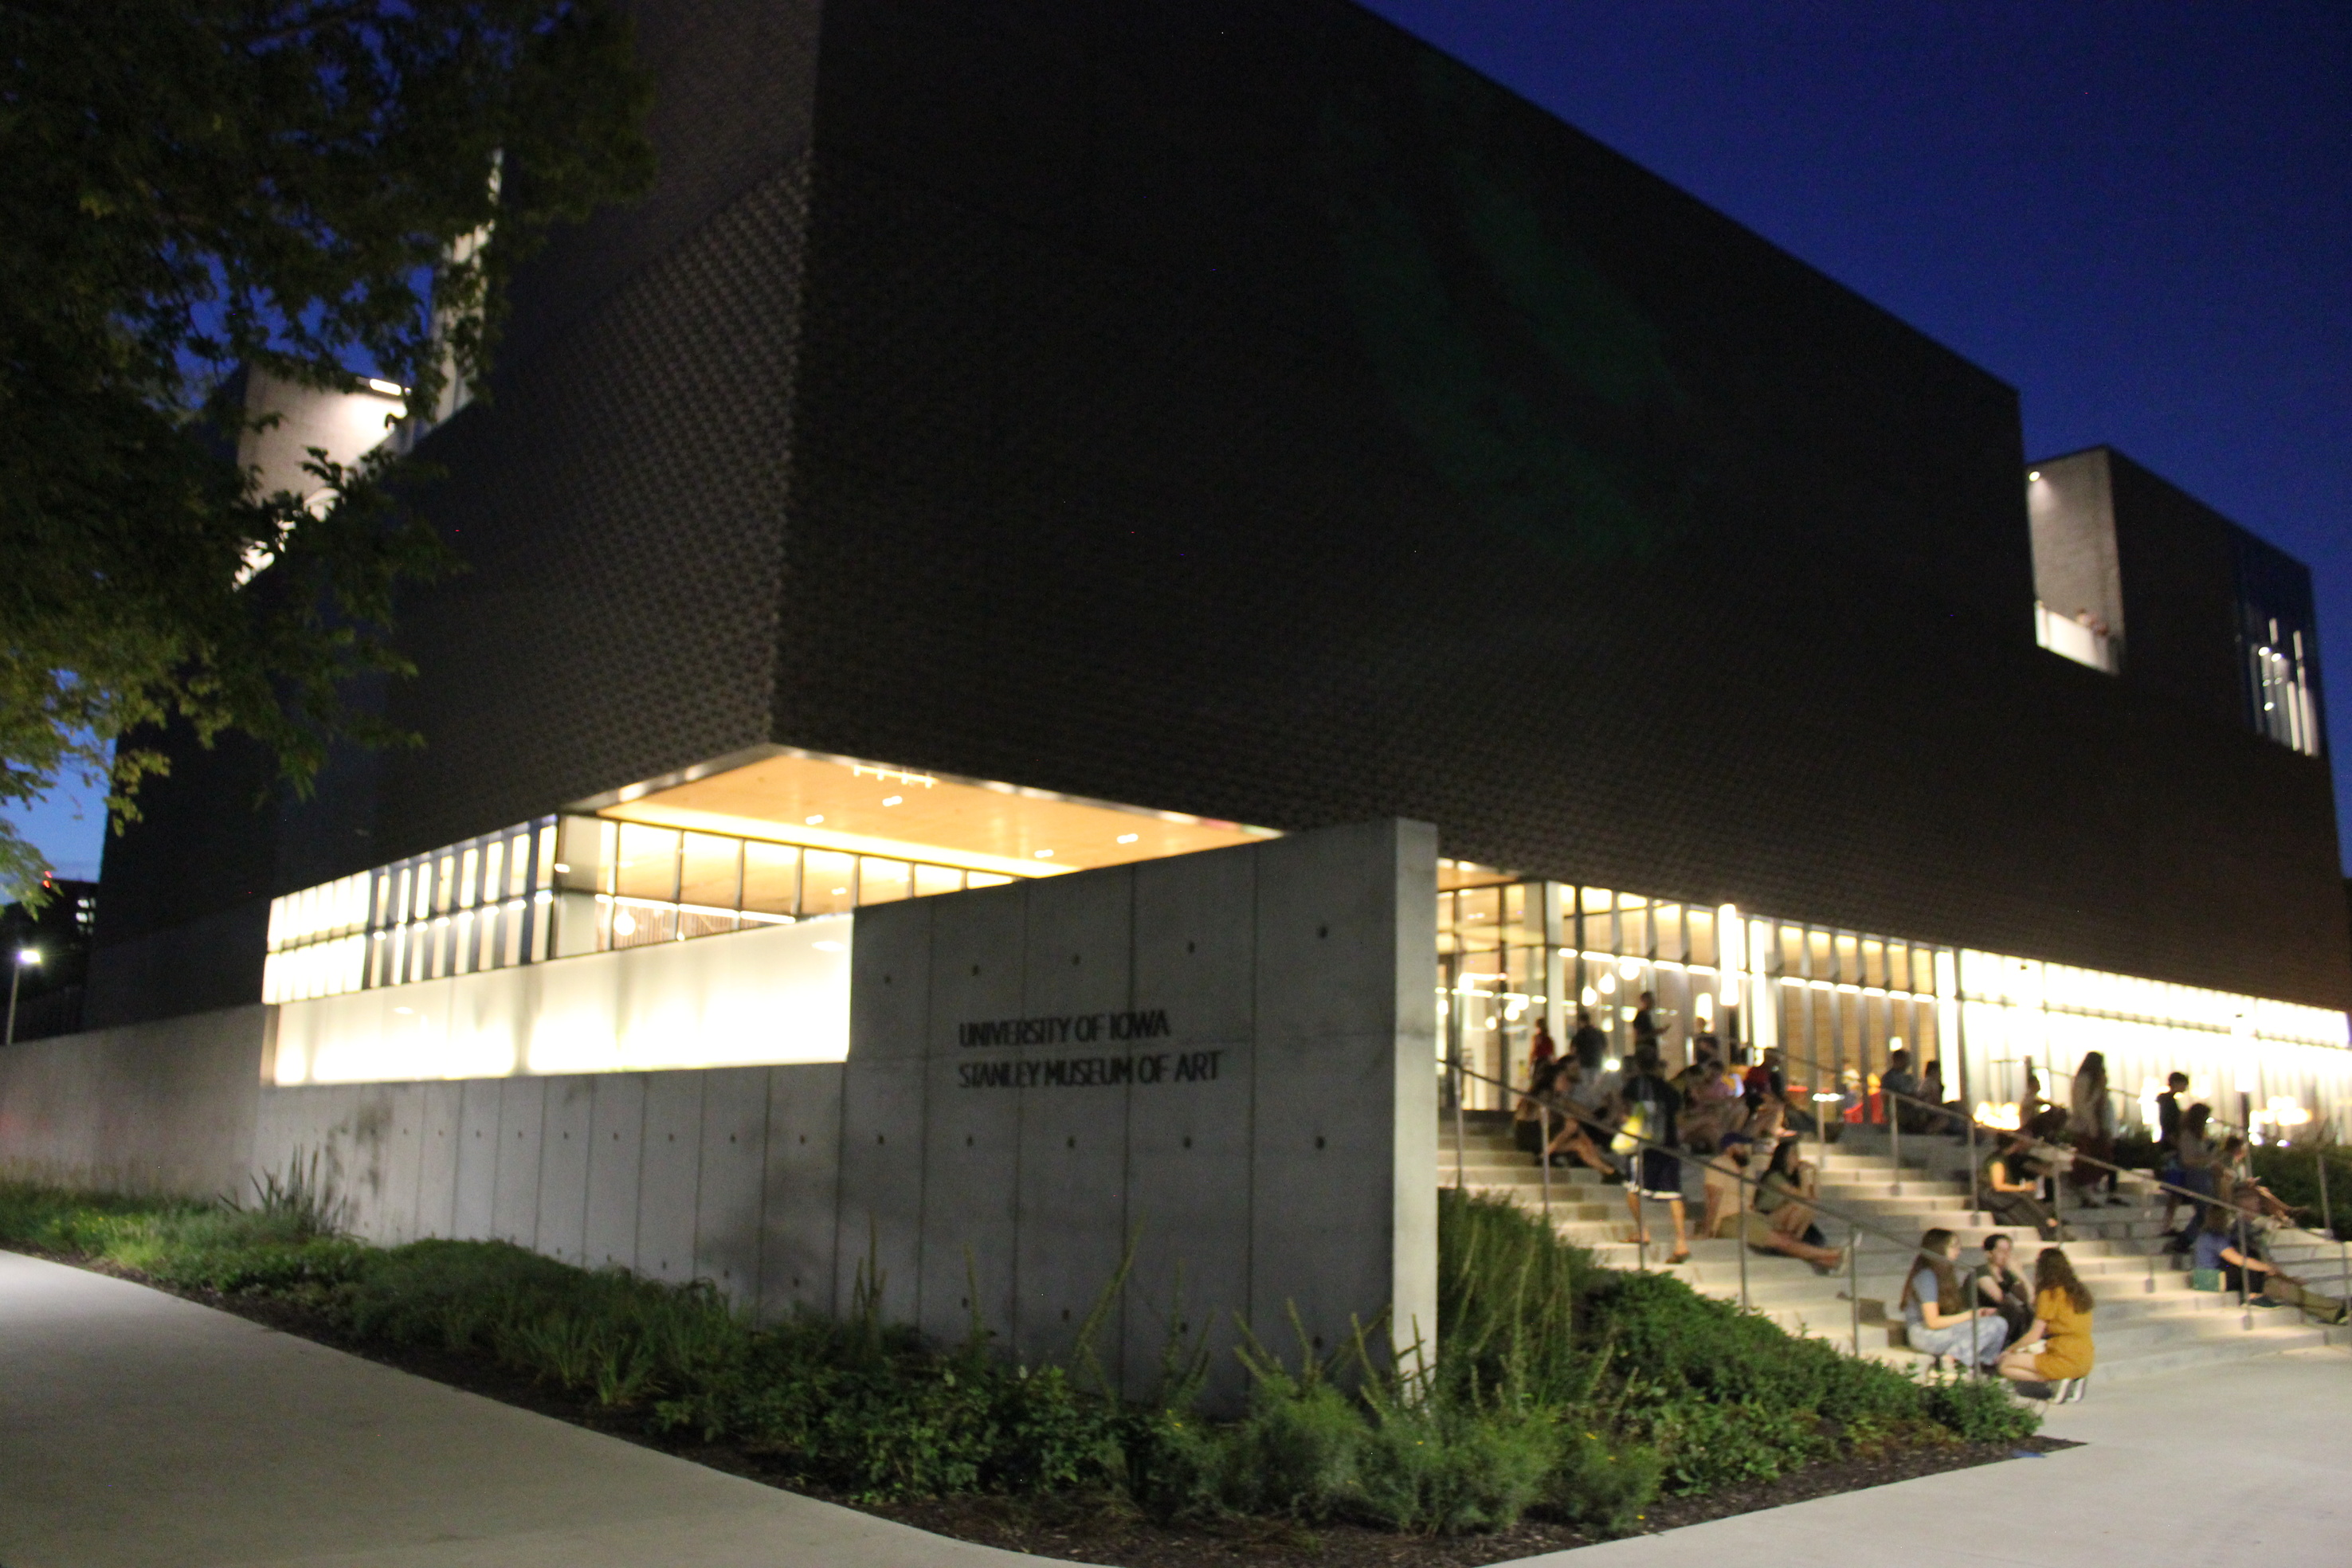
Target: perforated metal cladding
(620, 508)
(1108, 486)
(1237, 408)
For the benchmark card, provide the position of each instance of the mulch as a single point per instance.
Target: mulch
(1099, 1528)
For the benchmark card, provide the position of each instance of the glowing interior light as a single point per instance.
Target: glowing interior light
(560, 866)
(2034, 477)
(840, 893)
(1703, 1007)
(389, 388)
(1609, 985)
(2004, 1117)
(1631, 969)
(1611, 1065)
(1825, 1096)
(894, 800)
(814, 820)
(1128, 837)
(1588, 998)
(1045, 854)
(624, 924)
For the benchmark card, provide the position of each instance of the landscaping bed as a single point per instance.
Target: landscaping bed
(1573, 1404)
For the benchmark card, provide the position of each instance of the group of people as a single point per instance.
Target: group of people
(1992, 1318)
(1634, 1124)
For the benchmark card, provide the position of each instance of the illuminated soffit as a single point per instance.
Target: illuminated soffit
(839, 803)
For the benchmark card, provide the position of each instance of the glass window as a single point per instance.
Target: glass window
(1478, 918)
(929, 879)
(642, 925)
(586, 853)
(1667, 921)
(709, 879)
(830, 884)
(772, 878)
(1633, 926)
(1702, 935)
(647, 864)
(883, 881)
(1873, 963)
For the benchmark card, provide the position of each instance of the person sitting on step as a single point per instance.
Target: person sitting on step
(1780, 1218)
(2001, 1285)
(2231, 1243)
(1573, 1136)
(1938, 1318)
(1528, 1115)
(2057, 1343)
(2006, 1187)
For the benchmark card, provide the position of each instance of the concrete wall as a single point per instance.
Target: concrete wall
(1225, 1061)
(146, 1108)
(1264, 1137)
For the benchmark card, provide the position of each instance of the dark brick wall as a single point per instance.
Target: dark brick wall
(1239, 408)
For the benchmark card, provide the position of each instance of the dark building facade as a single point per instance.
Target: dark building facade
(1243, 411)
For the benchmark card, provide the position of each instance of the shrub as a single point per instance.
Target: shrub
(1559, 1384)
(2292, 1172)
(1979, 1409)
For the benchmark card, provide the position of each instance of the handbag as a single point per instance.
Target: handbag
(1630, 1132)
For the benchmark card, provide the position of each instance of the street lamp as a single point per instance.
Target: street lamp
(26, 958)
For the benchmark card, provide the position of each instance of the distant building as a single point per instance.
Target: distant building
(49, 991)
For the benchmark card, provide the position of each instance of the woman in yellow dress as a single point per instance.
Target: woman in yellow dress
(2058, 1345)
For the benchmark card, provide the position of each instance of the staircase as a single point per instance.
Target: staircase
(2148, 1319)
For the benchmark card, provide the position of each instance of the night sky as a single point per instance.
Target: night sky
(2138, 214)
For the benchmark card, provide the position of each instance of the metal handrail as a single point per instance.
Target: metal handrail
(2196, 1198)
(1856, 1225)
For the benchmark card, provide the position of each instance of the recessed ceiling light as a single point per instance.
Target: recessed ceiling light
(1128, 837)
(892, 799)
(817, 819)
(841, 892)
(2035, 478)
(1045, 854)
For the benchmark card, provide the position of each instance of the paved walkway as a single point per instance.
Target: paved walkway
(136, 1428)
(2213, 1468)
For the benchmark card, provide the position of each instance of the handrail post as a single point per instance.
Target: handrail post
(1854, 1279)
(1974, 1179)
(1741, 1236)
(1543, 1157)
(1894, 1136)
(2245, 1271)
(1460, 1088)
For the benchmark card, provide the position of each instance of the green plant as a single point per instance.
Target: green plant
(2292, 1172)
(1979, 1409)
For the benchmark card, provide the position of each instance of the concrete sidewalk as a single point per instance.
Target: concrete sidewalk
(136, 1428)
(2210, 1467)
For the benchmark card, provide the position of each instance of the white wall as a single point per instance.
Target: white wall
(777, 993)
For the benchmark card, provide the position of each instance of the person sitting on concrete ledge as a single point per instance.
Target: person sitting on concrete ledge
(2057, 1344)
(1938, 1318)
(1726, 1194)
(2231, 1243)
(2005, 1188)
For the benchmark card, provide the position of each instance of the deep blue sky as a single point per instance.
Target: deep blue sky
(2137, 212)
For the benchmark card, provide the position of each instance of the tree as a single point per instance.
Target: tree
(321, 192)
